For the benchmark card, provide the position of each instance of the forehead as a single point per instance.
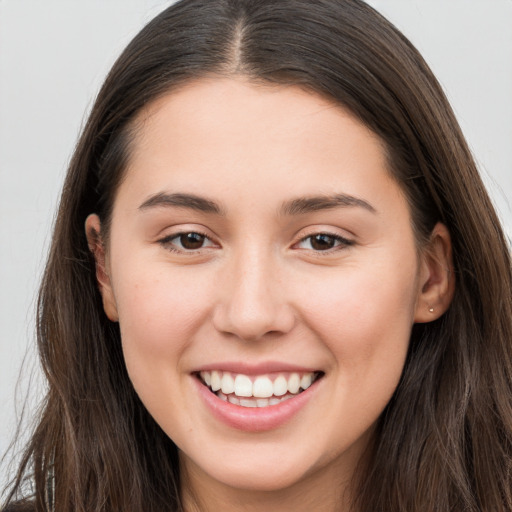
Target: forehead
(218, 135)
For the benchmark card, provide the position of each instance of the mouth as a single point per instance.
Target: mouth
(265, 390)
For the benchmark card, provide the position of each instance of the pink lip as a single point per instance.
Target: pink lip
(255, 369)
(257, 419)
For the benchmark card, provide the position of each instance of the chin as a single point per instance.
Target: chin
(271, 480)
(254, 475)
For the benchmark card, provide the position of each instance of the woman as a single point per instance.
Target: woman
(291, 292)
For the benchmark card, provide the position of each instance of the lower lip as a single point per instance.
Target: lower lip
(254, 419)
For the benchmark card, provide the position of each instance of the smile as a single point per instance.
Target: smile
(257, 390)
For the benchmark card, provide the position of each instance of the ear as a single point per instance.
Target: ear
(437, 279)
(97, 247)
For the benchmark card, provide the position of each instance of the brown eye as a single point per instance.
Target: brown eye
(191, 241)
(186, 242)
(322, 242)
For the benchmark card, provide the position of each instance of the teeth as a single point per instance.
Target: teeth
(258, 402)
(294, 383)
(280, 386)
(215, 381)
(207, 377)
(232, 399)
(306, 381)
(248, 402)
(263, 387)
(228, 384)
(258, 391)
(243, 385)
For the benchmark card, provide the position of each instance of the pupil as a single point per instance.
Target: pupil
(192, 240)
(322, 242)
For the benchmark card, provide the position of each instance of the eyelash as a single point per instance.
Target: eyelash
(167, 242)
(341, 242)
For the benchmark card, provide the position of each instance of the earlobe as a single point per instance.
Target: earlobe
(97, 248)
(437, 280)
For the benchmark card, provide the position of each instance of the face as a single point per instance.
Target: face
(264, 272)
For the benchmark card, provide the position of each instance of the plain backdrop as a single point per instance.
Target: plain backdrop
(53, 57)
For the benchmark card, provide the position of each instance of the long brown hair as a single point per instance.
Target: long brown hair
(444, 442)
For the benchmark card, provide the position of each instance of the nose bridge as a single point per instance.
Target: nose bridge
(254, 300)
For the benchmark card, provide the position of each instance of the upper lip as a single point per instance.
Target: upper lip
(255, 369)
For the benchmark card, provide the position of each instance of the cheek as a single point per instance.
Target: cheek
(365, 321)
(364, 315)
(159, 314)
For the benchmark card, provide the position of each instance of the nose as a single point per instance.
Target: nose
(252, 300)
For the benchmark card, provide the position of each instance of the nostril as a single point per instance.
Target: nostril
(253, 322)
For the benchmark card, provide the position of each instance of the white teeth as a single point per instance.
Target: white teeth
(243, 386)
(247, 402)
(206, 376)
(306, 381)
(216, 381)
(280, 386)
(262, 387)
(294, 383)
(228, 384)
(261, 402)
(232, 399)
(231, 387)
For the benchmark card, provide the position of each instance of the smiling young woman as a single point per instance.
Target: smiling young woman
(259, 239)
(292, 291)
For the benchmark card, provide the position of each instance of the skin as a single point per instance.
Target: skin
(258, 290)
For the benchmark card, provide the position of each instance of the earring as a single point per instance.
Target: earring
(431, 310)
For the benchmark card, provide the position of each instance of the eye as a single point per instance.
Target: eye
(323, 242)
(186, 242)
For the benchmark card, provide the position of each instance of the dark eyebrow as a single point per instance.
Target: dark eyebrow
(298, 206)
(190, 201)
(304, 205)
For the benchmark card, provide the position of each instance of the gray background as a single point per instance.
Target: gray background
(53, 57)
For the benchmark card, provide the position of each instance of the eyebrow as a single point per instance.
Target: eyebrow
(190, 201)
(298, 206)
(304, 205)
